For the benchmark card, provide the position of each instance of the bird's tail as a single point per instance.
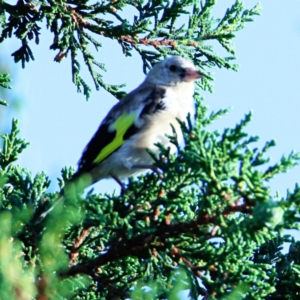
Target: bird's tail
(77, 184)
(44, 214)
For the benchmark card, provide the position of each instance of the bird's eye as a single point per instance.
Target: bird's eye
(173, 68)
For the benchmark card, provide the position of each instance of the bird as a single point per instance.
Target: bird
(136, 123)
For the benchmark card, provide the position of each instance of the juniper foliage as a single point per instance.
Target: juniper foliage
(4, 79)
(211, 227)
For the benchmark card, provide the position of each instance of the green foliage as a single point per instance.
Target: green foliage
(157, 29)
(12, 146)
(4, 78)
(210, 227)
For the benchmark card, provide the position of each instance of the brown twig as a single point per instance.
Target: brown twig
(139, 245)
(178, 255)
(79, 20)
(41, 288)
(121, 249)
(246, 209)
(145, 41)
(74, 251)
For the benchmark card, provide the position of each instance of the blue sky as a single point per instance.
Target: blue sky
(58, 122)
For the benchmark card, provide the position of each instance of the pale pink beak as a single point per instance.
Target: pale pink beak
(191, 75)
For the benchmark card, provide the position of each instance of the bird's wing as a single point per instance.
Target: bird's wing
(124, 120)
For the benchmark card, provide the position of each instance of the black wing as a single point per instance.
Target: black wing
(152, 103)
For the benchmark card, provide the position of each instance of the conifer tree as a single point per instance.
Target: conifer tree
(209, 230)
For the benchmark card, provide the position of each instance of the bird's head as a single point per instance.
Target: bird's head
(172, 71)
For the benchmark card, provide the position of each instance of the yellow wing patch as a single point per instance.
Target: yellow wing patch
(121, 125)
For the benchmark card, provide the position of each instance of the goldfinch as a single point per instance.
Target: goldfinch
(140, 120)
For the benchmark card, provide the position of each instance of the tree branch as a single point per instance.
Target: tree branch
(139, 244)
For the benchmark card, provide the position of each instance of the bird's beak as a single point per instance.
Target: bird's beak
(191, 75)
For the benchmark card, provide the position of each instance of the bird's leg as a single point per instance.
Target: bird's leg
(123, 188)
(151, 167)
